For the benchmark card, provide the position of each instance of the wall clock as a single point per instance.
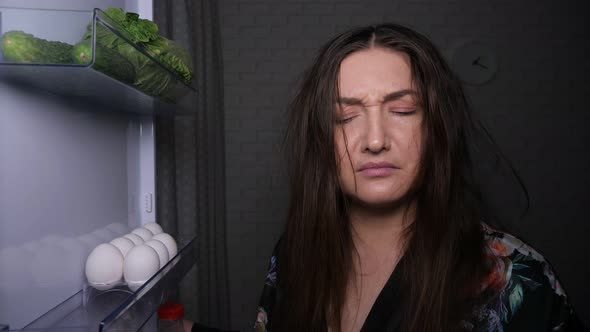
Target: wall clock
(475, 62)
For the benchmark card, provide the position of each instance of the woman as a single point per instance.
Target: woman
(384, 229)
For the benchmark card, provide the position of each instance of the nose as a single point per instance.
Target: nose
(376, 139)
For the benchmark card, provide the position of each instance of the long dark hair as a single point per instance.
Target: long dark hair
(445, 246)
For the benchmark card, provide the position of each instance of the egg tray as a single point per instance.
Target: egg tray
(101, 303)
(120, 308)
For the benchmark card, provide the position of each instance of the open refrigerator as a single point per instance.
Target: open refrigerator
(77, 168)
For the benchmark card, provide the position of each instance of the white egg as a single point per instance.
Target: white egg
(73, 260)
(123, 244)
(118, 229)
(104, 234)
(18, 274)
(51, 239)
(31, 246)
(137, 240)
(168, 242)
(90, 241)
(141, 263)
(153, 227)
(161, 249)
(145, 234)
(72, 244)
(48, 265)
(104, 266)
(134, 285)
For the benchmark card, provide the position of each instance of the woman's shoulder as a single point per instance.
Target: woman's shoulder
(522, 289)
(516, 259)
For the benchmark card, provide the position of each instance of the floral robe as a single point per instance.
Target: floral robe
(521, 293)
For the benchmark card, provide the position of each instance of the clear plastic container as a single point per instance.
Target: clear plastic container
(170, 317)
(39, 47)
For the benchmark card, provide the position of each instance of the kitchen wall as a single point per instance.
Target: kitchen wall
(533, 106)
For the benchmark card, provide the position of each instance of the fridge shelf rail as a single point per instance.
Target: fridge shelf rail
(63, 53)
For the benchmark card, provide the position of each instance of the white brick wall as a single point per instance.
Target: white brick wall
(534, 107)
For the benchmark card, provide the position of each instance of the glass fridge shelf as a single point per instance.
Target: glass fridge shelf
(119, 308)
(89, 60)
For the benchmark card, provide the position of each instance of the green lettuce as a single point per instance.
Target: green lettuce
(140, 30)
(150, 77)
(172, 55)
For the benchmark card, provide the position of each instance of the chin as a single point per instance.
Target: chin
(378, 200)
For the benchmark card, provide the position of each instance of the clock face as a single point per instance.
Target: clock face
(475, 62)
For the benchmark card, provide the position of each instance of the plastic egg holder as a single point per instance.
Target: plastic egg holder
(147, 259)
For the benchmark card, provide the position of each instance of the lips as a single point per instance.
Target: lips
(377, 169)
(381, 164)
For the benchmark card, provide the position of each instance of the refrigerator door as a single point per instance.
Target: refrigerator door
(74, 173)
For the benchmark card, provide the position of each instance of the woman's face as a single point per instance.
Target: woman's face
(378, 126)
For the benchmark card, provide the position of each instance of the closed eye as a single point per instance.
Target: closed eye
(344, 120)
(403, 110)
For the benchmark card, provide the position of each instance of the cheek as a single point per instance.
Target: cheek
(415, 150)
(345, 168)
(412, 146)
(340, 143)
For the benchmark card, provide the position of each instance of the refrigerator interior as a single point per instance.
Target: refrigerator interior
(72, 176)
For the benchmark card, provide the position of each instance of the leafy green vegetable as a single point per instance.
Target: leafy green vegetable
(172, 55)
(116, 14)
(142, 30)
(150, 77)
(154, 80)
(106, 60)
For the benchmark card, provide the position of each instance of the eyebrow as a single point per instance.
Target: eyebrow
(396, 95)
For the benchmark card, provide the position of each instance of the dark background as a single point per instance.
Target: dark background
(535, 107)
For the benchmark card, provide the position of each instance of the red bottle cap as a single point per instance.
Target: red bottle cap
(171, 311)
